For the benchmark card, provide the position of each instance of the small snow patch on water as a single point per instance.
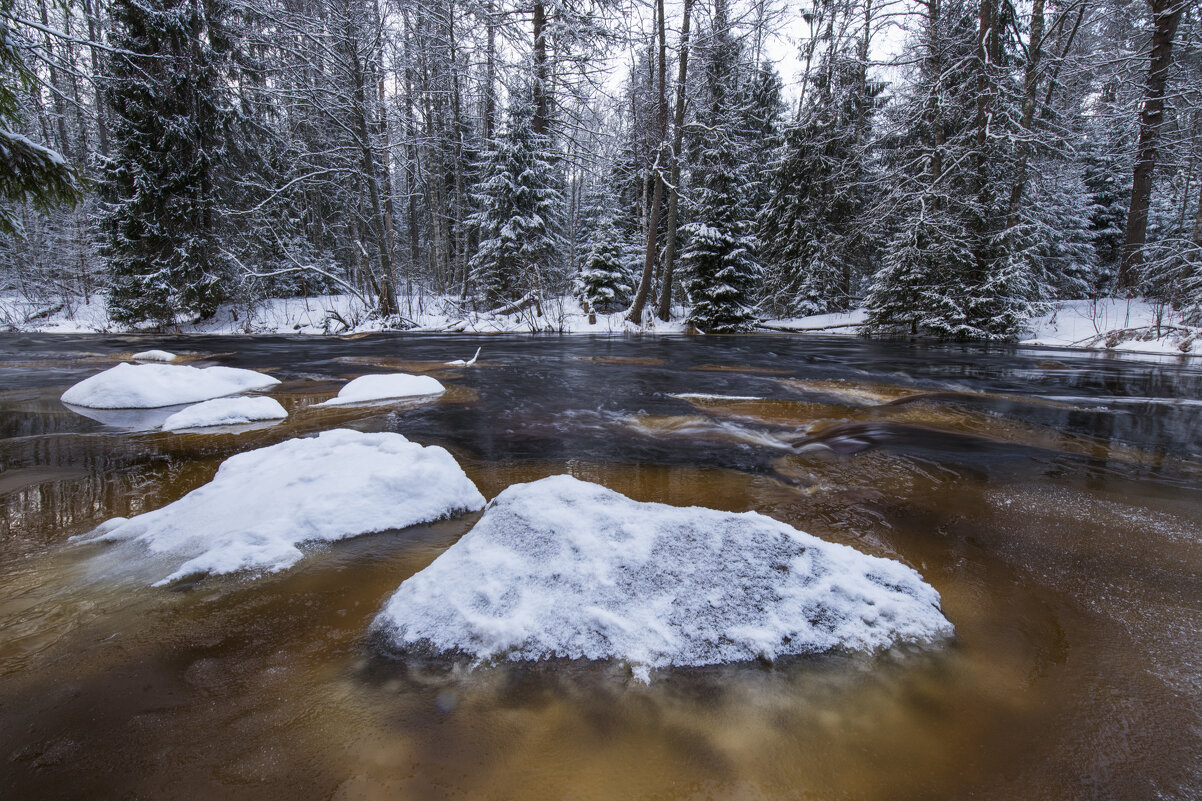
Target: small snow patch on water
(225, 412)
(370, 388)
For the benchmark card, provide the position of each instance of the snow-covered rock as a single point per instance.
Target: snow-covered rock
(154, 356)
(226, 412)
(263, 503)
(368, 388)
(144, 386)
(565, 568)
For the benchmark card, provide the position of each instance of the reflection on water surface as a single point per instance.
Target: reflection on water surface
(1065, 537)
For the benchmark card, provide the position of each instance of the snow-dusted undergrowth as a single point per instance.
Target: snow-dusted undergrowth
(1114, 324)
(263, 503)
(145, 386)
(569, 569)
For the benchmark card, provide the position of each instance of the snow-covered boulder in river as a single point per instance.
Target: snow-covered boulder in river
(154, 356)
(145, 386)
(226, 412)
(388, 386)
(562, 568)
(263, 503)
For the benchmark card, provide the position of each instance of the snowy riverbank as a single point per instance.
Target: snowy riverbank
(1106, 324)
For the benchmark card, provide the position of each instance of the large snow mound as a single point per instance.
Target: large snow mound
(562, 568)
(367, 388)
(144, 386)
(226, 412)
(263, 503)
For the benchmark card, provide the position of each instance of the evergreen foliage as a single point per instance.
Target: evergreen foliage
(517, 221)
(29, 172)
(818, 243)
(605, 281)
(162, 216)
(718, 259)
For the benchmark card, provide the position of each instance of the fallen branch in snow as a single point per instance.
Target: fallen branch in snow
(44, 313)
(790, 330)
(530, 299)
(1143, 333)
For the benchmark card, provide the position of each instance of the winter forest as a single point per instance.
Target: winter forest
(951, 166)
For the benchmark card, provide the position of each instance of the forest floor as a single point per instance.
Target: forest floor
(1125, 325)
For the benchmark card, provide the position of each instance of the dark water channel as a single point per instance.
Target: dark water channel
(1053, 498)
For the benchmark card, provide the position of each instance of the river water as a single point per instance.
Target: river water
(1051, 497)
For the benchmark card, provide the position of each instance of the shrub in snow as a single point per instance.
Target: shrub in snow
(368, 388)
(226, 412)
(263, 503)
(562, 568)
(145, 386)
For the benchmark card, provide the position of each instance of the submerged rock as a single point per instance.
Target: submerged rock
(263, 503)
(146, 386)
(562, 568)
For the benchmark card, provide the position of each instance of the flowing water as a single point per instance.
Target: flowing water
(1051, 497)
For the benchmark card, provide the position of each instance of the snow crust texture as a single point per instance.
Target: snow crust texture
(561, 568)
(368, 388)
(263, 503)
(226, 412)
(146, 386)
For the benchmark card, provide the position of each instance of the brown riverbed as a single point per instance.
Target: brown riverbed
(1057, 511)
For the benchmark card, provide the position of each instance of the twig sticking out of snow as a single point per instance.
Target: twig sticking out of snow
(469, 363)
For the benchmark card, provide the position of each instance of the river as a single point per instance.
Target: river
(1052, 497)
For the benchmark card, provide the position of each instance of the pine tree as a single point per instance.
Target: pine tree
(162, 186)
(816, 235)
(952, 269)
(605, 280)
(519, 211)
(718, 259)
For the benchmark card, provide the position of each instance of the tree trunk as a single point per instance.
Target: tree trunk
(1030, 89)
(665, 292)
(1166, 14)
(542, 103)
(635, 315)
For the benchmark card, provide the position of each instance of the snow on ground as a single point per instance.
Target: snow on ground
(154, 356)
(368, 388)
(566, 568)
(834, 323)
(226, 412)
(141, 386)
(1112, 324)
(263, 503)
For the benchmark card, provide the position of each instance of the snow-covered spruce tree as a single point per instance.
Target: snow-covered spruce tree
(161, 189)
(950, 269)
(29, 172)
(519, 207)
(605, 281)
(817, 243)
(718, 259)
